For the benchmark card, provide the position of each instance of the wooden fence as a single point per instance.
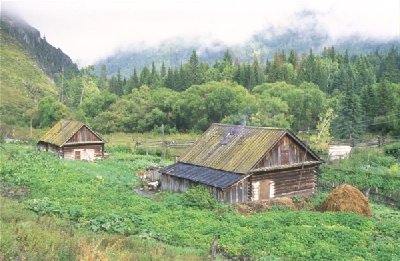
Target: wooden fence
(364, 143)
(391, 198)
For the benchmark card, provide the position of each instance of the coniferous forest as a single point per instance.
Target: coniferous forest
(358, 94)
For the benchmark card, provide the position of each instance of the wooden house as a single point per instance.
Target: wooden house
(72, 140)
(244, 164)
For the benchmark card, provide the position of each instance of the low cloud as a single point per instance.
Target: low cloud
(89, 30)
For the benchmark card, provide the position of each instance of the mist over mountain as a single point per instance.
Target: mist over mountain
(263, 44)
(50, 59)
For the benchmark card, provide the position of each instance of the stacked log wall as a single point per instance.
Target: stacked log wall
(290, 182)
(69, 151)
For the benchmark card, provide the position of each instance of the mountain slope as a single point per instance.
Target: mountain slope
(263, 44)
(50, 59)
(23, 83)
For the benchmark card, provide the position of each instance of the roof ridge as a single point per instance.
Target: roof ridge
(252, 127)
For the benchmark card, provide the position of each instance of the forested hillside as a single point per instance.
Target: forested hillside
(330, 92)
(353, 95)
(264, 44)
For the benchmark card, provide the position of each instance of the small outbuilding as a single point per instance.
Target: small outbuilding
(245, 164)
(70, 139)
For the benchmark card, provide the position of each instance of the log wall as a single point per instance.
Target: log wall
(86, 152)
(239, 192)
(285, 152)
(285, 183)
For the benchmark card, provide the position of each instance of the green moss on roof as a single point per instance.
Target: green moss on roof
(232, 148)
(61, 132)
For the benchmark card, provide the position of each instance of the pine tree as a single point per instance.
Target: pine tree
(384, 98)
(119, 84)
(275, 71)
(368, 103)
(194, 70)
(163, 71)
(135, 79)
(293, 59)
(154, 79)
(227, 59)
(283, 56)
(349, 122)
(103, 78)
(392, 70)
(257, 71)
(144, 78)
(113, 85)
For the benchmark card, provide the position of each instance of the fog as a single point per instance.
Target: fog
(91, 30)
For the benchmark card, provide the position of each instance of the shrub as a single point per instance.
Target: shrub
(119, 148)
(199, 197)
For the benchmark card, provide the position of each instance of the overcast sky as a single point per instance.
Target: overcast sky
(90, 30)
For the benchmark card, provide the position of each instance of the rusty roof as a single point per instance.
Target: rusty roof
(63, 131)
(232, 148)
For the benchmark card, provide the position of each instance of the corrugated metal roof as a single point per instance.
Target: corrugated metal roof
(232, 148)
(216, 178)
(63, 131)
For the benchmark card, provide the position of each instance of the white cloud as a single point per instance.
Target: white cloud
(89, 30)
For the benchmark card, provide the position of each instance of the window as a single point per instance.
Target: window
(77, 154)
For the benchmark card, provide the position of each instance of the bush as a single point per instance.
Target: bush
(199, 197)
(119, 148)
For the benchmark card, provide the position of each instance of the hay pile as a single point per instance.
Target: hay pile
(347, 198)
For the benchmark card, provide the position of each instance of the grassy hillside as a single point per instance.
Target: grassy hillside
(98, 197)
(23, 84)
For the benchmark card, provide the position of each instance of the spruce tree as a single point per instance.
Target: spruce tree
(135, 79)
(392, 70)
(348, 125)
(384, 98)
(293, 59)
(194, 70)
(368, 103)
(163, 71)
(275, 71)
(119, 85)
(103, 78)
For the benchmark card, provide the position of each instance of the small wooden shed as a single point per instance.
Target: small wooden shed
(72, 140)
(244, 164)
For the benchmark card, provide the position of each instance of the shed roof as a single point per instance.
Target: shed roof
(216, 178)
(63, 131)
(235, 148)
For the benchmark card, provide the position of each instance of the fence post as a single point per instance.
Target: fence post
(214, 248)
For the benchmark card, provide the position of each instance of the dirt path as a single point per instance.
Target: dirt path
(143, 192)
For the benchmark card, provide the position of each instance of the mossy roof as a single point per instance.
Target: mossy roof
(63, 131)
(232, 148)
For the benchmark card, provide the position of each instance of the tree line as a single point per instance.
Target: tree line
(356, 94)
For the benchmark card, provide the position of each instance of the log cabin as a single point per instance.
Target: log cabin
(74, 140)
(245, 164)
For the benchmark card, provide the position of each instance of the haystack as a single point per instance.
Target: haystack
(347, 198)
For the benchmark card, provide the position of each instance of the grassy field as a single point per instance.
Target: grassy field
(93, 203)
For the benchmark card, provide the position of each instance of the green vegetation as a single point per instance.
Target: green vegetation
(98, 197)
(365, 168)
(22, 230)
(22, 83)
(361, 92)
